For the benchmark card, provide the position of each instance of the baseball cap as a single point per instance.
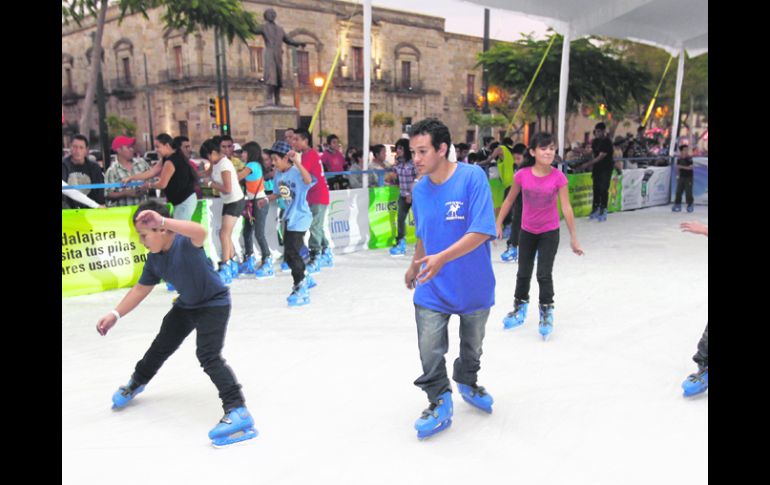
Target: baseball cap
(122, 141)
(280, 148)
(237, 148)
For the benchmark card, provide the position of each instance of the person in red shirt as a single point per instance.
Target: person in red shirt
(334, 161)
(317, 199)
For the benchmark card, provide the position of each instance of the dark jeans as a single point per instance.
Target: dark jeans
(515, 214)
(210, 325)
(433, 342)
(702, 356)
(292, 243)
(601, 181)
(403, 211)
(545, 245)
(684, 184)
(255, 228)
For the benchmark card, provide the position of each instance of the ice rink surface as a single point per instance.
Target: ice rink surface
(330, 384)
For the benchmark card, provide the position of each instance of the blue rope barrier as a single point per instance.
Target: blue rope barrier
(103, 186)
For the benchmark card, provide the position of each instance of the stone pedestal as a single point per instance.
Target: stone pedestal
(269, 121)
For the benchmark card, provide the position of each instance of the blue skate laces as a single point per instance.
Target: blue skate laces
(431, 411)
(478, 390)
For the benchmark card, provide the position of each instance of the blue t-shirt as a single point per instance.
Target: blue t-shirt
(190, 271)
(293, 190)
(443, 215)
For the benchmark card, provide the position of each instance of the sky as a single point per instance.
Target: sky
(468, 18)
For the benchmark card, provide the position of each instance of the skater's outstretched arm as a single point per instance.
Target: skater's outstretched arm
(695, 228)
(506, 207)
(569, 216)
(435, 262)
(152, 220)
(133, 298)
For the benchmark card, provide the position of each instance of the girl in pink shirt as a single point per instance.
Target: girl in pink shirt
(540, 185)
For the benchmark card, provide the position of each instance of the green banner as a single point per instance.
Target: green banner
(100, 250)
(616, 193)
(581, 194)
(383, 218)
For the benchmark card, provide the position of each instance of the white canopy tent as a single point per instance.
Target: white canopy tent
(674, 25)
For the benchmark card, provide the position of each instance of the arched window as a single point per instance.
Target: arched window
(67, 66)
(407, 66)
(124, 58)
(308, 57)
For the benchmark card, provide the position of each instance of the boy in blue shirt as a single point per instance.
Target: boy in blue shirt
(177, 256)
(455, 221)
(292, 182)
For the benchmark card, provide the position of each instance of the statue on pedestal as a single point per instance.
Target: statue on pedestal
(274, 36)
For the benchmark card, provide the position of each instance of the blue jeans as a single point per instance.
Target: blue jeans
(186, 209)
(433, 341)
(255, 229)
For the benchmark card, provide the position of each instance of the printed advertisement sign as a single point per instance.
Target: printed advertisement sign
(383, 218)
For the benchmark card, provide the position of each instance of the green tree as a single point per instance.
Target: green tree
(120, 126)
(597, 75)
(187, 15)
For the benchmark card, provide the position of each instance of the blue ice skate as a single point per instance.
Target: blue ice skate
(310, 281)
(476, 396)
(327, 258)
(248, 266)
(233, 265)
(517, 316)
(602, 215)
(265, 270)
(399, 249)
(299, 295)
(696, 383)
(436, 418)
(510, 254)
(314, 266)
(235, 426)
(546, 320)
(594, 214)
(126, 393)
(676, 208)
(285, 267)
(690, 208)
(224, 275)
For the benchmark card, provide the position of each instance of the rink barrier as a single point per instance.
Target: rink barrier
(101, 250)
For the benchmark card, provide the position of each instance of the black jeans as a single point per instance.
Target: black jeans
(684, 184)
(403, 211)
(292, 243)
(255, 228)
(545, 245)
(702, 356)
(210, 324)
(601, 179)
(515, 214)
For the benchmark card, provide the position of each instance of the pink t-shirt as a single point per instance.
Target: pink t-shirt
(539, 194)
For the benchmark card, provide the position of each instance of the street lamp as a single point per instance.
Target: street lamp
(318, 83)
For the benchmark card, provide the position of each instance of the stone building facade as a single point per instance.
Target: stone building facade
(418, 70)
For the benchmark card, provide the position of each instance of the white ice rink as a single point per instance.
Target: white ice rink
(330, 384)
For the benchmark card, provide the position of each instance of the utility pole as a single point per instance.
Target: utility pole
(226, 127)
(219, 70)
(147, 97)
(484, 81)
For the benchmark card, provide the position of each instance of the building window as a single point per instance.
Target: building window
(178, 58)
(127, 71)
(303, 68)
(406, 74)
(183, 130)
(470, 89)
(470, 136)
(358, 59)
(256, 59)
(68, 73)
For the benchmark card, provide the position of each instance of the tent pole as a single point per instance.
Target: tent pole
(677, 104)
(367, 81)
(563, 86)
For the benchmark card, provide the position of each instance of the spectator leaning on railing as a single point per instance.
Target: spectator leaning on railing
(126, 166)
(77, 170)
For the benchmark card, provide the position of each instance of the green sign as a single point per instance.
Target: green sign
(383, 218)
(100, 249)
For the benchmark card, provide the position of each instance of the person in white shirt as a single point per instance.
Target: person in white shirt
(224, 179)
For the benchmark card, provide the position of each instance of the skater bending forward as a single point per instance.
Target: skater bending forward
(455, 223)
(177, 256)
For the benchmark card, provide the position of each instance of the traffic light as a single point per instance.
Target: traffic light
(222, 119)
(214, 108)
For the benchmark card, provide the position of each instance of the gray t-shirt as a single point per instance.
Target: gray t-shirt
(190, 271)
